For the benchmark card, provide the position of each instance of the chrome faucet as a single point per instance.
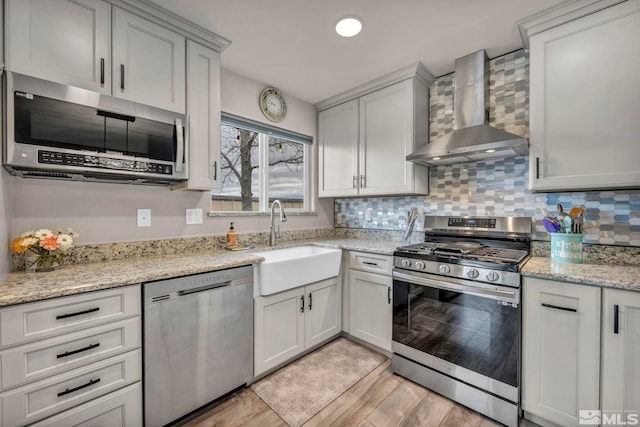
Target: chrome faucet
(283, 218)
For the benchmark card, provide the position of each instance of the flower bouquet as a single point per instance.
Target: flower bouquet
(44, 249)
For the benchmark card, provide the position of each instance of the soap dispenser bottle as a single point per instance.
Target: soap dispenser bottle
(232, 237)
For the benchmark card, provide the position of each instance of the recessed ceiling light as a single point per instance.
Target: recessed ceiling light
(491, 151)
(348, 26)
(436, 158)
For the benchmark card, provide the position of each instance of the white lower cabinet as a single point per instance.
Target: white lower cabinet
(370, 298)
(71, 360)
(561, 350)
(122, 408)
(287, 323)
(620, 386)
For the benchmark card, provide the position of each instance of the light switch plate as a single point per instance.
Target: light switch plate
(194, 216)
(144, 217)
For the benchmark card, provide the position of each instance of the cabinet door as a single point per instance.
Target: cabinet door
(338, 150)
(279, 328)
(386, 138)
(370, 308)
(323, 313)
(65, 41)
(561, 349)
(203, 108)
(583, 131)
(620, 350)
(149, 63)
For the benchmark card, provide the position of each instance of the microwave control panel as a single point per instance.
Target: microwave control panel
(87, 160)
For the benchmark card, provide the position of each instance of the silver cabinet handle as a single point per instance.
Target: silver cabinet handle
(355, 181)
(362, 181)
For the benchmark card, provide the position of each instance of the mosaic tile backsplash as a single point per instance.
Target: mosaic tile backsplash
(497, 187)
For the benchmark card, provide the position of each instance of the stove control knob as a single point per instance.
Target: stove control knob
(405, 263)
(444, 269)
(420, 265)
(473, 273)
(492, 276)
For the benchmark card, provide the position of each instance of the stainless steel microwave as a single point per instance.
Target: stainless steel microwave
(64, 132)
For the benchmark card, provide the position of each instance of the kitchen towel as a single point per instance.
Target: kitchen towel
(300, 390)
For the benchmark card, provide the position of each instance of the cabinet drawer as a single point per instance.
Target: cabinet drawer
(122, 408)
(35, 361)
(29, 322)
(381, 264)
(47, 397)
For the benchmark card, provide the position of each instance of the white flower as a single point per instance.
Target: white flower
(43, 233)
(65, 240)
(29, 241)
(28, 233)
(72, 233)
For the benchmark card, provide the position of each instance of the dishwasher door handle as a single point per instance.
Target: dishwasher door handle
(204, 288)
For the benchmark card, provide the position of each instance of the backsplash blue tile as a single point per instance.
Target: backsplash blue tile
(497, 187)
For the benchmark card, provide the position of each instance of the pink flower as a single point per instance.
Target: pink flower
(50, 243)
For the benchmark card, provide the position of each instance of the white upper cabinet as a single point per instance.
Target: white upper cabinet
(585, 98)
(338, 150)
(70, 42)
(66, 41)
(203, 108)
(364, 136)
(149, 62)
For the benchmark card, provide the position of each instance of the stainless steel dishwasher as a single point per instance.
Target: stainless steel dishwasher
(198, 341)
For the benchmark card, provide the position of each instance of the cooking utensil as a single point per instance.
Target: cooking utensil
(578, 224)
(575, 211)
(551, 224)
(567, 222)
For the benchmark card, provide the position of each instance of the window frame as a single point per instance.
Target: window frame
(264, 132)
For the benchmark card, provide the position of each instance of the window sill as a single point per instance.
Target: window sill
(240, 213)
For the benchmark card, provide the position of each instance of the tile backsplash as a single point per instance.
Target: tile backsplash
(497, 187)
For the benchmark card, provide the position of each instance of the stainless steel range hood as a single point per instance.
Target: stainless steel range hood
(472, 139)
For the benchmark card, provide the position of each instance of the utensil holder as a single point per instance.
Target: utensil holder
(566, 247)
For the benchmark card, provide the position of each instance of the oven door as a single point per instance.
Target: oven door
(464, 329)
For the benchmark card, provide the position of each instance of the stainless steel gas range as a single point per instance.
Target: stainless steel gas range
(456, 311)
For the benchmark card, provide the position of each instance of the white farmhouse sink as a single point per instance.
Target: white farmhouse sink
(289, 268)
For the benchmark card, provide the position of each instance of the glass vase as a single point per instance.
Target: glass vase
(36, 263)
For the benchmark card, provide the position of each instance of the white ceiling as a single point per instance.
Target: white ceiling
(292, 45)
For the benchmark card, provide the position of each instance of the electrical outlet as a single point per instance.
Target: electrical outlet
(144, 217)
(368, 215)
(194, 216)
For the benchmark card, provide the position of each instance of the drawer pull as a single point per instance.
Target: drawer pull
(370, 263)
(557, 307)
(78, 313)
(80, 387)
(80, 350)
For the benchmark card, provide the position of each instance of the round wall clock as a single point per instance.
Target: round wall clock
(272, 104)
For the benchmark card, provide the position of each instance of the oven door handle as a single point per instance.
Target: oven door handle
(496, 294)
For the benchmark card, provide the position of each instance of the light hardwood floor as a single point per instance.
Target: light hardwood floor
(380, 399)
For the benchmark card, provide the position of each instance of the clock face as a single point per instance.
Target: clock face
(273, 105)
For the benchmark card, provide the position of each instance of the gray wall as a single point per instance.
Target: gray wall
(497, 187)
(103, 213)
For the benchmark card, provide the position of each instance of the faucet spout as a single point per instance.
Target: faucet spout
(283, 218)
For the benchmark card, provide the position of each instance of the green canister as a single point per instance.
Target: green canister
(566, 247)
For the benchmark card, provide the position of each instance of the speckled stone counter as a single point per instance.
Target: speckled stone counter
(610, 276)
(21, 287)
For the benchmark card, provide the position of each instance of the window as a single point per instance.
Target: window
(259, 164)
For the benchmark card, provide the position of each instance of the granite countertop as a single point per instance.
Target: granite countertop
(609, 276)
(21, 287)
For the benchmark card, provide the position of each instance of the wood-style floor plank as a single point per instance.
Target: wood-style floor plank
(397, 405)
(430, 411)
(237, 411)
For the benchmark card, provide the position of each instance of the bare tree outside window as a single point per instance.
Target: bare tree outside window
(240, 163)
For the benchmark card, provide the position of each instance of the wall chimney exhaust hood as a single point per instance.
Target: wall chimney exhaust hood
(472, 139)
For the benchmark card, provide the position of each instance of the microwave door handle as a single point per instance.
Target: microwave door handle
(180, 150)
